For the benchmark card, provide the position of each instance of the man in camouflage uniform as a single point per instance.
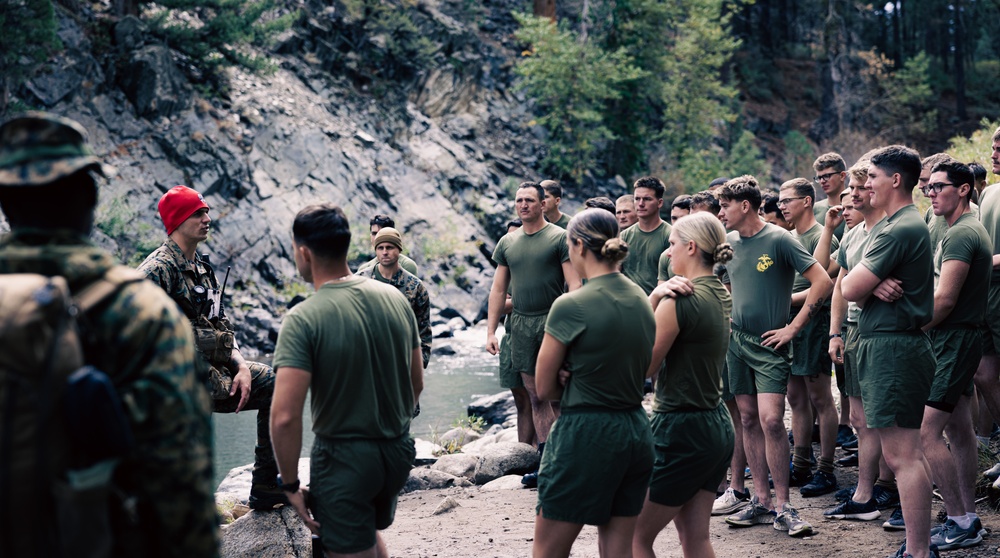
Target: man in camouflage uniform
(164, 504)
(376, 224)
(190, 281)
(388, 247)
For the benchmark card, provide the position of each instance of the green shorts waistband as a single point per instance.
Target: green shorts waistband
(594, 409)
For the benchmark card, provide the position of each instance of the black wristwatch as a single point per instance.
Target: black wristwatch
(293, 487)
(832, 335)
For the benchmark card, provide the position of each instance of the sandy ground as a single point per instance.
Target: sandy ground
(501, 524)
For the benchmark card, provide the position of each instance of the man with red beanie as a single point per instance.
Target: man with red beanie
(190, 281)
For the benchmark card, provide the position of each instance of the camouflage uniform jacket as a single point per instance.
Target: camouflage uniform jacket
(139, 339)
(420, 302)
(167, 267)
(405, 262)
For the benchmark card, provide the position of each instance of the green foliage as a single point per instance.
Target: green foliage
(473, 423)
(984, 87)
(699, 168)
(799, 154)
(477, 424)
(219, 33)
(911, 100)
(571, 82)
(135, 238)
(29, 37)
(977, 147)
(388, 41)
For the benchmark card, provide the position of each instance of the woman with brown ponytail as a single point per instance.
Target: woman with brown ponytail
(596, 465)
(692, 431)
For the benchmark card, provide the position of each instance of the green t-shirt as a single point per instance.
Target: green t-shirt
(852, 247)
(819, 211)
(663, 269)
(989, 216)
(810, 240)
(608, 329)
(535, 264)
(761, 272)
(562, 222)
(692, 378)
(967, 241)
(900, 249)
(356, 338)
(404, 262)
(644, 250)
(937, 226)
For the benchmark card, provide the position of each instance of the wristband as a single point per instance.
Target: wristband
(832, 335)
(292, 487)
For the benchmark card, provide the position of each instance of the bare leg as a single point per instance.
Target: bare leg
(869, 452)
(964, 451)
(739, 462)
(614, 538)
(653, 519)
(693, 524)
(753, 443)
(943, 471)
(987, 380)
(542, 412)
(802, 415)
(525, 423)
(902, 450)
(821, 396)
(771, 408)
(553, 539)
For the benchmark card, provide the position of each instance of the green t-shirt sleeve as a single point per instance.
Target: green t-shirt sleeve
(663, 268)
(960, 246)
(794, 254)
(883, 255)
(499, 253)
(563, 248)
(566, 321)
(841, 255)
(294, 347)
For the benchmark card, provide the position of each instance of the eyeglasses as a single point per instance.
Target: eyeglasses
(935, 187)
(786, 201)
(824, 177)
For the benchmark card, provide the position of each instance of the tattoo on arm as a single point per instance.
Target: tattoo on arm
(816, 307)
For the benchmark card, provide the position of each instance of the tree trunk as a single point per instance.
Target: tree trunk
(959, 35)
(897, 34)
(546, 8)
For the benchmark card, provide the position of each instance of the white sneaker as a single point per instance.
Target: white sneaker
(993, 472)
(729, 502)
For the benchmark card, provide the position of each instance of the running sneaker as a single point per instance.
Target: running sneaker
(789, 520)
(844, 434)
(854, 510)
(730, 501)
(821, 483)
(885, 498)
(979, 527)
(902, 553)
(845, 494)
(851, 445)
(751, 514)
(951, 536)
(530, 480)
(993, 472)
(849, 460)
(799, 477)
(895, 521)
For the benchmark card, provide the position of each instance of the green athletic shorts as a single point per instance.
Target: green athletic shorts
(508, 378)
(991, 339)
(692, 452)
(596, 466)
(852, 385)
(526, 334)
(811, 347)
(727, 394)
(754, 368)
(354, 485)
(957, 352)
(896, 374)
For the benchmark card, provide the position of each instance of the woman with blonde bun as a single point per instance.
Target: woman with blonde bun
(692, 430)
(596, 465)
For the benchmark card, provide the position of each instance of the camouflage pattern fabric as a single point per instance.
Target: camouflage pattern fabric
(140, 340)
(38, 148)
(405, 262)
(167, 267)
(420, 302)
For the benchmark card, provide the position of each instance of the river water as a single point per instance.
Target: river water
(450, 384)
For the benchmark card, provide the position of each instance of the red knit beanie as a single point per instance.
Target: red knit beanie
(179, 203)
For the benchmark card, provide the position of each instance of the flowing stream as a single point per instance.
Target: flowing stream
(450, 384)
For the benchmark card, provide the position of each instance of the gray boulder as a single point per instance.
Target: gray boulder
(508, 482)
(423, 478)
(457, 464)
(494, 435)
(154, 84)
(494, 409)
(458, 437)
(235, 488)
(271, 534)
(505, 458)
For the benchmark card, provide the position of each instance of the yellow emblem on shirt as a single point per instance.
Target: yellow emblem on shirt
(764, 262)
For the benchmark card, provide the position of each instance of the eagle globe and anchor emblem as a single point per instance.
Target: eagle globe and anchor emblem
(764, 262)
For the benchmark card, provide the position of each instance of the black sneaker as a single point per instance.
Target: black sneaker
(885, 498)
(821, 483)
(799, 477)
(845, 494)
(530, 480)
(851, 445)
(266, 497)
(854, 510)
(844, 434)
(895, 521)
(849, 460)
(902, 553)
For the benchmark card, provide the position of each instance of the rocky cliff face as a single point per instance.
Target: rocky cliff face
(438, 151)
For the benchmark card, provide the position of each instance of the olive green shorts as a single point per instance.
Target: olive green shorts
(354, 485)
(692, 452)
(526, 334)
(811, 347)
(991, 338)
(508, 378)
(896, 374)
(957, 352)
(852, 385)
(754, 368)
(727, 394)
(596, 466)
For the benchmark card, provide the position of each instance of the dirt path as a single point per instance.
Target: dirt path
(501, 524)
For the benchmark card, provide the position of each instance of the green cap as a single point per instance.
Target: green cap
(38, 148)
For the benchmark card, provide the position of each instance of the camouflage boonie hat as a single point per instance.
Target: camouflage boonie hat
(38, 148)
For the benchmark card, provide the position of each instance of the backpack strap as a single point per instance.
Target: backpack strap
(96, 292)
